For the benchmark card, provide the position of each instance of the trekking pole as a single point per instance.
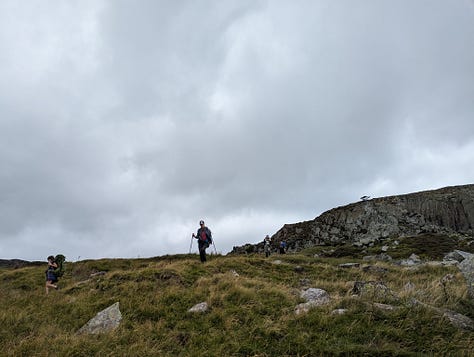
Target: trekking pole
(191, 245)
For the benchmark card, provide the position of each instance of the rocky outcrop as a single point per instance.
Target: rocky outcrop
(448, 211)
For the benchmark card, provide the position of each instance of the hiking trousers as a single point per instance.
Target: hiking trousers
(202, 250)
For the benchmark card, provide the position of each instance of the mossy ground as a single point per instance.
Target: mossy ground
(250, 315)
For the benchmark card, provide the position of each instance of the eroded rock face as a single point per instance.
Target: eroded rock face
(448, 210)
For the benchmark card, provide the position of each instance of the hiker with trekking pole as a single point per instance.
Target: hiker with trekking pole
(204, 237)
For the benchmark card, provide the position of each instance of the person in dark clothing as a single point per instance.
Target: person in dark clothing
(267, 246)
(204, 237)
(282, 247)
(50, 276)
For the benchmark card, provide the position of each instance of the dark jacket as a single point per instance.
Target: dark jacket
(208, 233)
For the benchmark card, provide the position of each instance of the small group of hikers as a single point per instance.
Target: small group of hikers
(203, 236)
(55, 264)
(267, 246)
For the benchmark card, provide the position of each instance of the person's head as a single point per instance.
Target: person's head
(201, 223)
(51, 258)
(267, 237)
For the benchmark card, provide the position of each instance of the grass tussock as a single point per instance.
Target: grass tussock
(251, 313)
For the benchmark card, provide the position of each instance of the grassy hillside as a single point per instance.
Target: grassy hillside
(250, 315)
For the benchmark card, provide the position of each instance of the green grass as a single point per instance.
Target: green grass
(249, 315)
(428, 246)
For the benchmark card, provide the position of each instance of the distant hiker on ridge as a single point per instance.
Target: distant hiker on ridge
(267, 246)
(50, 276)
(204, 237)
(282, 247)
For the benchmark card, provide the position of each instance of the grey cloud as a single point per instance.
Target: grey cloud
(124, 124)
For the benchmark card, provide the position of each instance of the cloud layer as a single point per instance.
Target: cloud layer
(123, 125)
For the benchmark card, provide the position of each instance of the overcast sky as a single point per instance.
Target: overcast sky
(123, 123)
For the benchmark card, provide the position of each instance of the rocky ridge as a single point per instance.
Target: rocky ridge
(446, 211)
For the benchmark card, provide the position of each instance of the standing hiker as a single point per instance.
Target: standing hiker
(204, 237)
(50, 276)
(267, 246)
(282, 247)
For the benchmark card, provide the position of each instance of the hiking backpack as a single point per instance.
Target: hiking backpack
(59, 259)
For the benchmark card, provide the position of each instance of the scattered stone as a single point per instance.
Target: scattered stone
(277, 262)
(299, 269)
(464, 255)
(457, 320)
(460, 321)
(385, 248)
(105, 321)
(302, 308)
(373, 290)
(443, 263)
(467, 270)
(415, 258)
(349, 265)
(374, 269)
(201, 307)
(385, 306)
(449, 262)
(338, 312)
(314, 297)
(411, 261)
(234, 273)
(366, 241)
(319, 296)
(454, 255)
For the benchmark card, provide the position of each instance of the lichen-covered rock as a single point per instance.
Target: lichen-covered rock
(411, 261)
(105, 321)
(314, 297)
(458, 320)
(467, 270)
(373, 290)
(201, 307)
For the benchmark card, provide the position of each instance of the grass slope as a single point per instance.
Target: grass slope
(250, 315)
